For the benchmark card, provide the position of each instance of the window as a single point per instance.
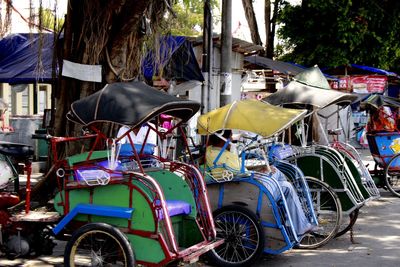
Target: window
(25, 102)
(42, 99)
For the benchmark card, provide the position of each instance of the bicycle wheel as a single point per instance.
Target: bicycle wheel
(347, 224)
(328, 210)
(98, 244)
(243, 234)
(392, 175)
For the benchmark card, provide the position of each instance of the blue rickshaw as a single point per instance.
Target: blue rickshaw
(250, 208)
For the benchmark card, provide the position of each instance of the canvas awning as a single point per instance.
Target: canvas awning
(282, 67)
(309, 88)
(376, 101)
(130, 104)
(247, 115)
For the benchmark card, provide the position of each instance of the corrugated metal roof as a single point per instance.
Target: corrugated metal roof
(238, 45)
(282, 67)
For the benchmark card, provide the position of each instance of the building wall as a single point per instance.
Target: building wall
(237, 66)
(22, 102)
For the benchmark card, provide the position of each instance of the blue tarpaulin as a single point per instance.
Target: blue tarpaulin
(374, 70)
(19, 58)
(176, 60)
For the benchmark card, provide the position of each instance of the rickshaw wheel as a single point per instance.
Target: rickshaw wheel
(329, 214)
(392, 175)
(353, 216)
(98, 244)
(243, 234)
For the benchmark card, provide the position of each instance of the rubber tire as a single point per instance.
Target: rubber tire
(387, 183)
(106, 228)
(336, 201)
(216, 260)
(353, 218)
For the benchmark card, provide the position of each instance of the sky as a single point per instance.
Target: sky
(240, 28)
(18, 24)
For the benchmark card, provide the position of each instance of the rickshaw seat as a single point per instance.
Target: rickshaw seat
(280, 151)
(126, 149)
(176, 207)
(16, 150)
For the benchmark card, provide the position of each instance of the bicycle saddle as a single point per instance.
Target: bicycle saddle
(8, 200)
(19, 151)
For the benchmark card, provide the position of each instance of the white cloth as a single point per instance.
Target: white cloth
(140, 136)
(299, 219)
(125, 139)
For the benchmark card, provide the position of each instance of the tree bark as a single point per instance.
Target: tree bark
(271, 37)
(107, 33)
(251, 20)
(269, 47)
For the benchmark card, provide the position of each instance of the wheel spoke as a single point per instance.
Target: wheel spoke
(328, 211)
(241, 237)
(98, 248)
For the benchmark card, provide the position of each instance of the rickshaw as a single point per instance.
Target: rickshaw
(337, 163)
(117, 204)
(383, 140)
(250, 209)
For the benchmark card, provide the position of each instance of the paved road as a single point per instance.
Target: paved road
(376, 236)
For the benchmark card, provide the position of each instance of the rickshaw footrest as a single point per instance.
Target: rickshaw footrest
(91, 209)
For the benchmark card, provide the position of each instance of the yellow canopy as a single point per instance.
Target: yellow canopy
(249, 115)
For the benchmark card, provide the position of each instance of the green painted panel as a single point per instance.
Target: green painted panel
(311, 166)
(146, 249)
(190, 233)
(142, 218)
(175, 188)
(76, 197)
(357, 177)
(111, 195)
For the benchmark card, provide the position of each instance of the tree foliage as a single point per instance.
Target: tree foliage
(187, 19)
(338, 32)
(50, 21)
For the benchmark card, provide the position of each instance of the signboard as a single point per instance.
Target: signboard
(361, 84)
(369, 83)
(341, 83)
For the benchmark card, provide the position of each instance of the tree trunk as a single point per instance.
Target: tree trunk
(269, 47)
(251, 20)
(271, 39)
(107, 33)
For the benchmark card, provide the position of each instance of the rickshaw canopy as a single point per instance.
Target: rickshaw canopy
(377, 101)
(249, 115)
(309, 88)
(130, 104)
